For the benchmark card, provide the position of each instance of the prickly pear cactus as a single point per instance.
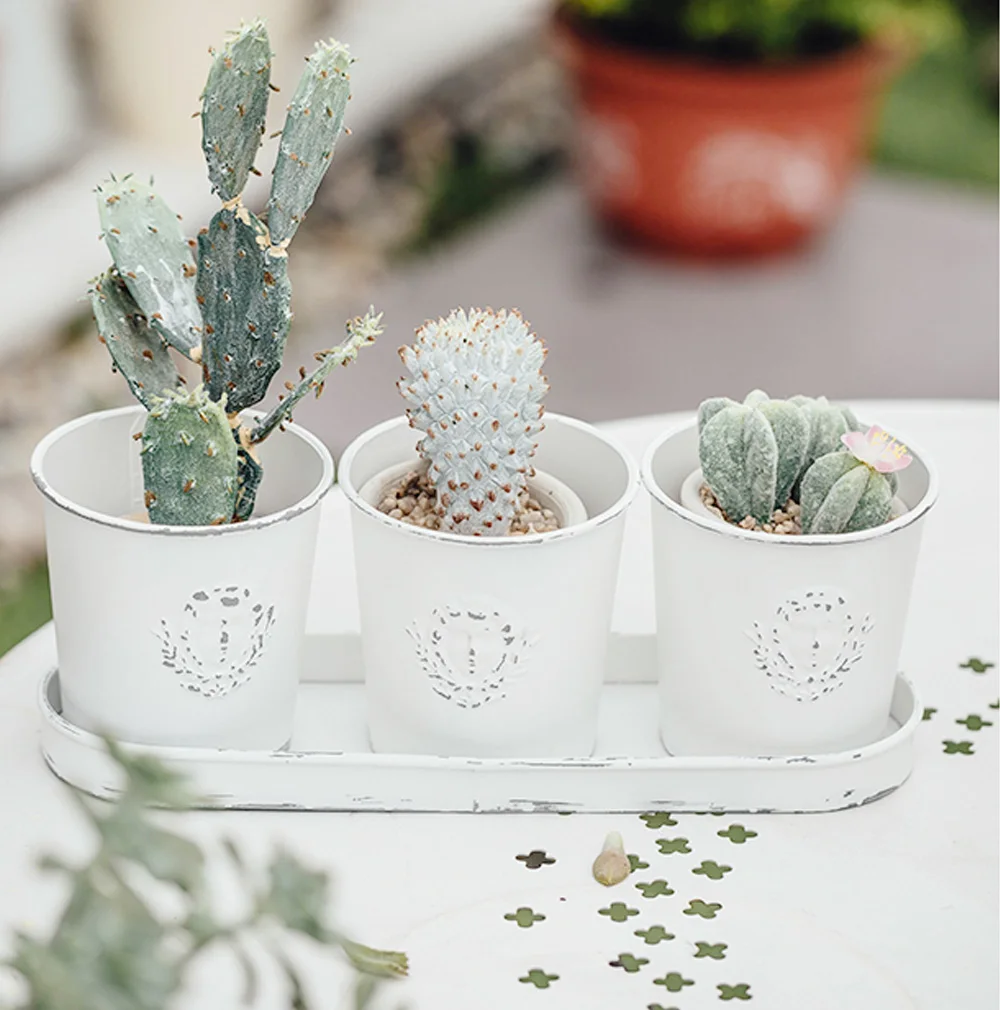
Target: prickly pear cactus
(475, 390)
(189, 461)
(233, 108)
(313, 123)
(751, 453)
(246, 297)
(229, 309)
(840, 494)
(138, 352)
(153, 257)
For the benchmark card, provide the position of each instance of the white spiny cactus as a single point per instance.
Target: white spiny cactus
(475, 390)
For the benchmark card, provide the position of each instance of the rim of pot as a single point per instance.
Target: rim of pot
(163, 529)
(912, 515)
(498, 543)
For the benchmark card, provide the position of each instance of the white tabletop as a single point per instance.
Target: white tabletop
(887, 906)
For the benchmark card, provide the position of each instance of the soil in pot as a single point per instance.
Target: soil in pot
(407, 493)
(698, 497)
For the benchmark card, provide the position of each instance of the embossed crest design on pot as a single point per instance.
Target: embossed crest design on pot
(223, 635)
(810, 644)
(471, 654)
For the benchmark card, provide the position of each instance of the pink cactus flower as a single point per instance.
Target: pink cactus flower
(877, 449)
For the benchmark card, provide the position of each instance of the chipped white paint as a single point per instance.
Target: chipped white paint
(472, 656)
(329, 766)
(223, 636)
(740, 643)
(810, 644)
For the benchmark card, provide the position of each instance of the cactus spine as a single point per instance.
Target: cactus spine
(229, 306)
(475, 390)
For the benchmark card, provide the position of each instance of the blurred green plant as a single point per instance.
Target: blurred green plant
(471, 184)
(767, 30)
(113, 949)
(940, 118)
(24, 605)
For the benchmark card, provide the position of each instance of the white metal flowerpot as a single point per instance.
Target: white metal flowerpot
(177, 635)
(489, 647)
(771, 644)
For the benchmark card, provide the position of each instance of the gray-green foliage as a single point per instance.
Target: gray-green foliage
(840, 494)
(752, 453)
(224, 300)
(757, 455)
(118, 945)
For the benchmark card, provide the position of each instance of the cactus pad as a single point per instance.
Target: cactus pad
(361, 332)
(245, 294)
(475, 390)
(313, 123)
(233, 108)
(153, 258)
(189, 461)
(137, 351)
(840, 494)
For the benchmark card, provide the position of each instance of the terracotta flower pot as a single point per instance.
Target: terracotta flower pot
(716, 159)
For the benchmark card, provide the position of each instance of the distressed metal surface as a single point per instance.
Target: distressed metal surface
(329, 766)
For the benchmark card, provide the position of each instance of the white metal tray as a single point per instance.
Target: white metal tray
(330, 766)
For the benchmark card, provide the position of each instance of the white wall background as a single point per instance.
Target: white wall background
(150, 61)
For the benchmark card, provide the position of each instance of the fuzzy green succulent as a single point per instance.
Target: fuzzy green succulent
(224, 300)
(752, 453)
(759, 455)
(828, 423)
(841, 494)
